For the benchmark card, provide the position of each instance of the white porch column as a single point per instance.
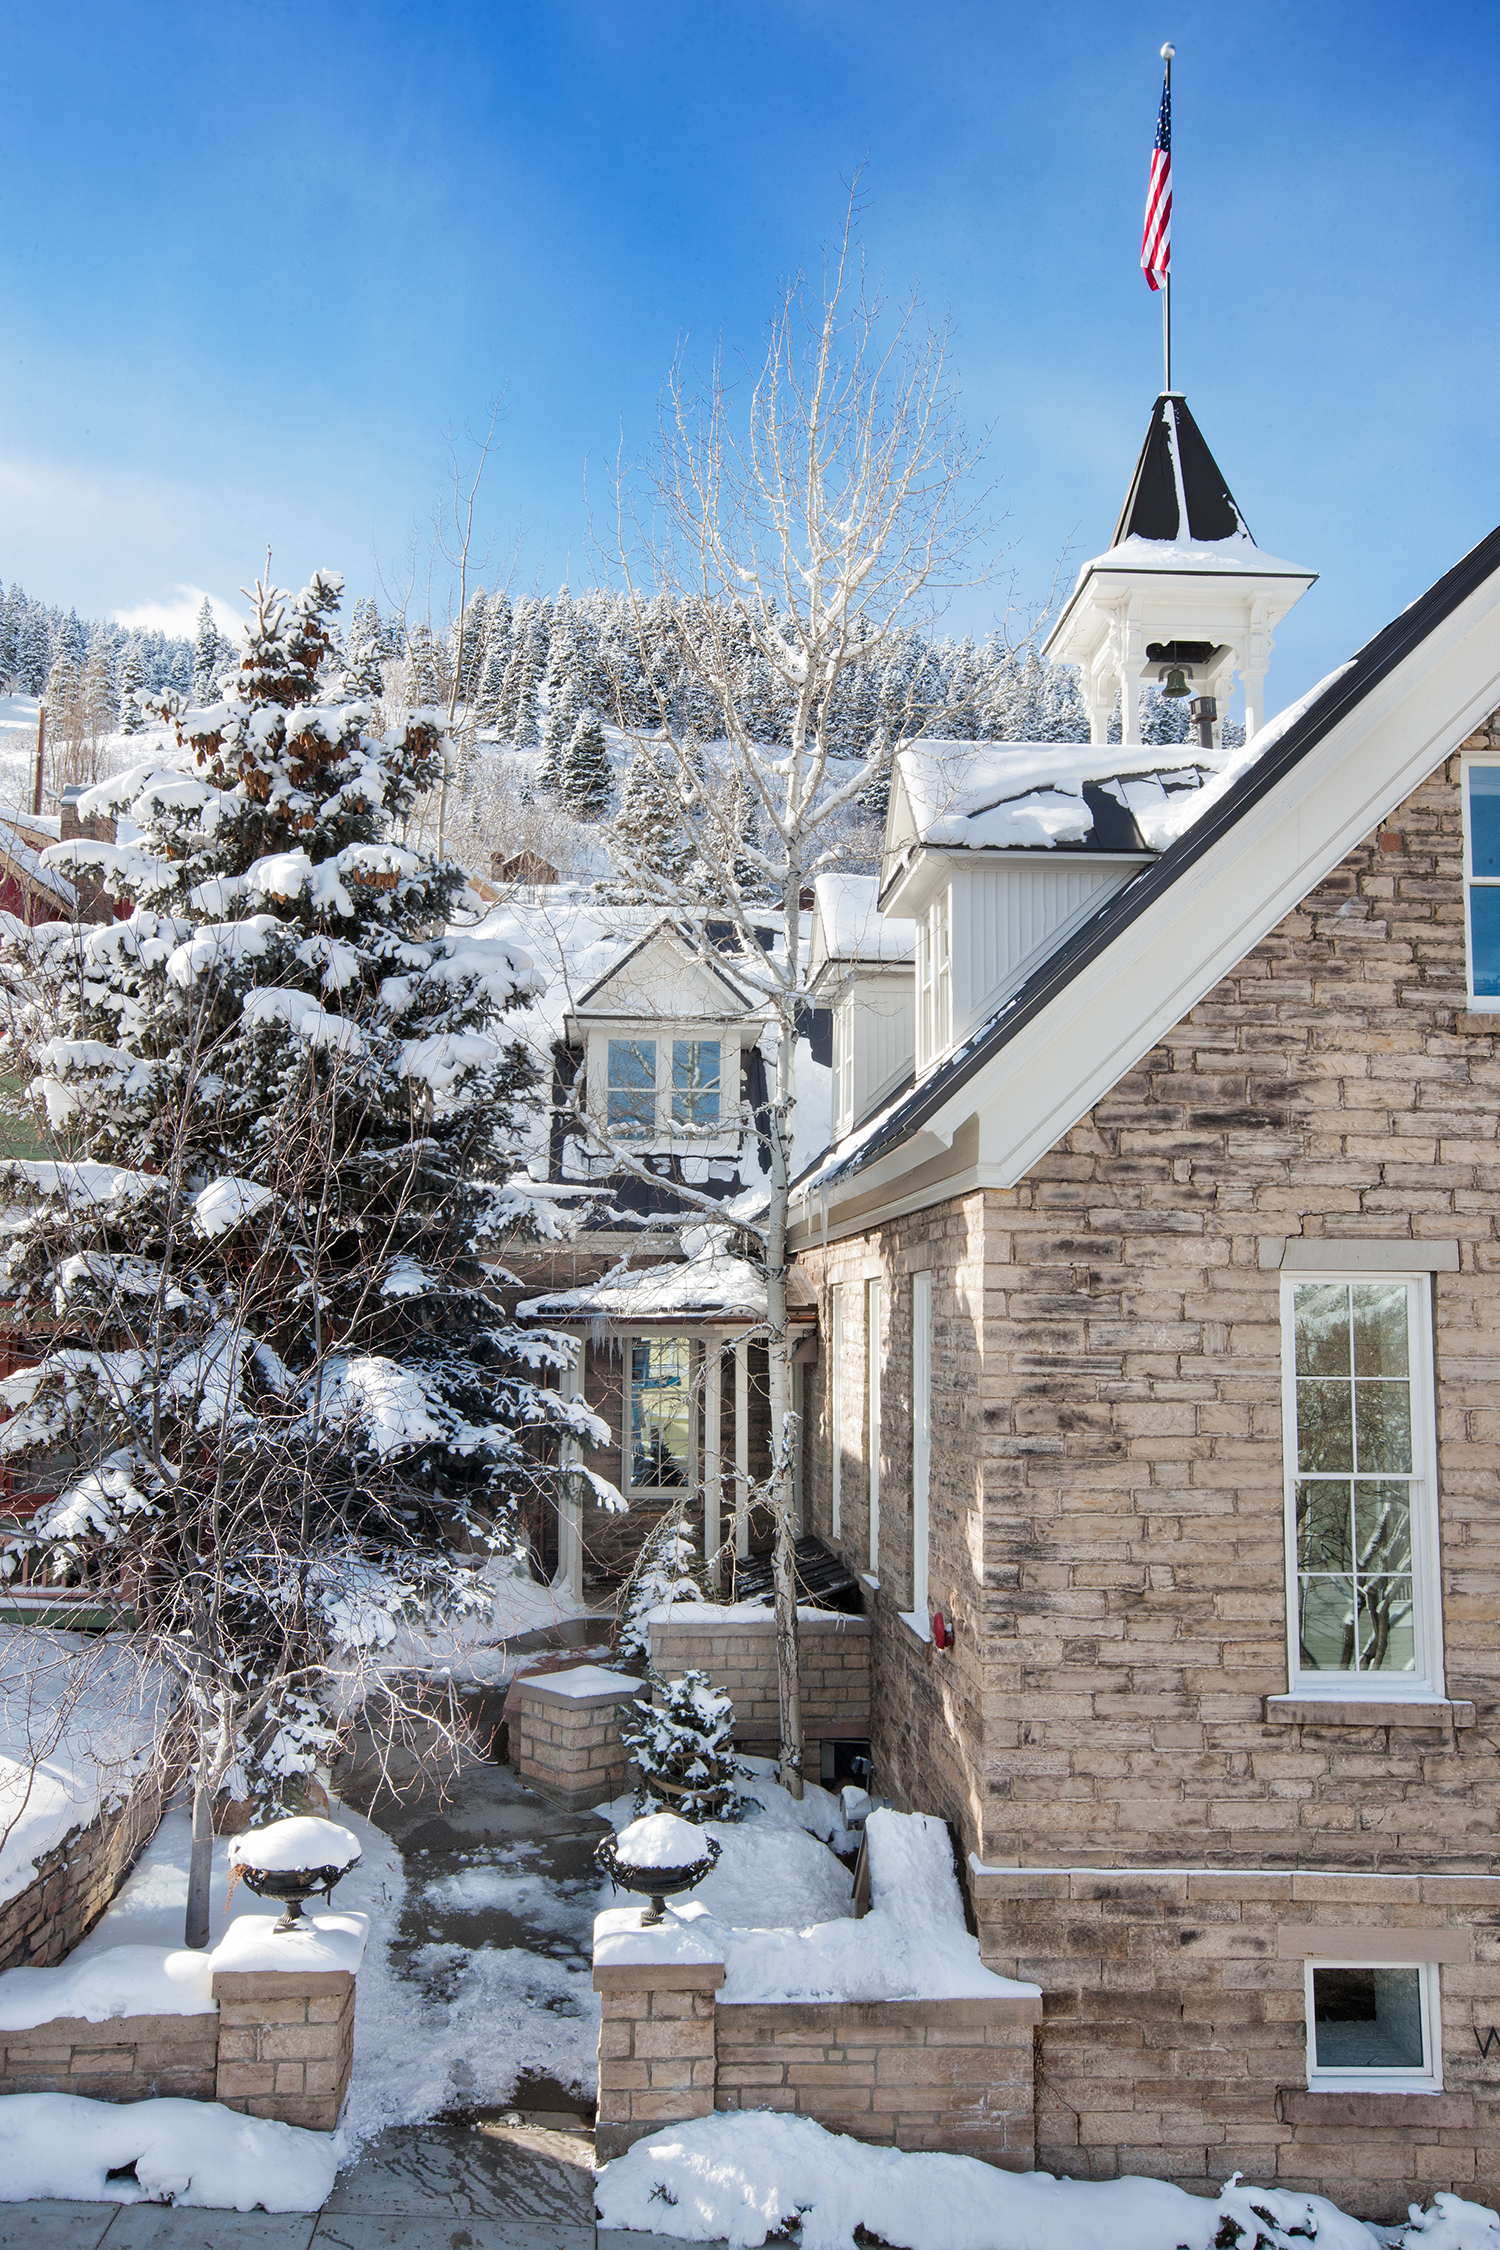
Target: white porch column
(741, 1447)
(1132, 656)
(569, 1576)
(713, 1481)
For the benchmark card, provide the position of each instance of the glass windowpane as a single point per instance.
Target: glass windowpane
(1368, 2019)
(1382, 1527)
(1484, 820)
(660, 1417)
(1379, 1328)
(631, 1101)
(1387, 1635)
(1326, 1626)
(1324, 1433)
(1484, 940)
(1322, 1323)
(1323, 1541)
(1382, 1428)
(695, 1081)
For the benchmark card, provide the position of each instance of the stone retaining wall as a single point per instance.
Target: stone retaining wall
(739, 1656)
(914, 2074)
(280, 2045)
(127, 2059)
(76, 1880)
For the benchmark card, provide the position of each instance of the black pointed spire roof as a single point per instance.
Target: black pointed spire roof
(1158, 493)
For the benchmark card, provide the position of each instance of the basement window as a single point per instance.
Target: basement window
(1482, 881)
(1373, 2028)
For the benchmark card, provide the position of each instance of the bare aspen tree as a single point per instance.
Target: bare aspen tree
(781, 532)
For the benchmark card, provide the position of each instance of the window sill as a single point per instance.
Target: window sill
(1304, 1710)
(1329, 2103)
(917, 1623)
(868, 1578)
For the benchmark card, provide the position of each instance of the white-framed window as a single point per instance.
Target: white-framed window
(836, 1407)
(659, 1414)
(874, 1306)
(934, 981)
(1374, 2027)
(1365, 1614)
(630, 1101)
(843, 1068)
(1481, 787)
(662, 1087)
(921, 1442)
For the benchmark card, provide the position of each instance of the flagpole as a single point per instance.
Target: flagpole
(1168, 51)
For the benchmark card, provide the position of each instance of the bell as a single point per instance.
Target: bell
(1176, 682)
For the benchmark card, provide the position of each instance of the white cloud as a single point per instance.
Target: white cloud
(179, 618)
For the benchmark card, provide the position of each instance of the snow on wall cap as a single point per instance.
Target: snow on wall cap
(299, 1842)
(660, 1840)
(321, 1944)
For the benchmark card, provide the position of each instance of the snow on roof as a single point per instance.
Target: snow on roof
(1235, 557)
(708, 1284)
(20, 854)
(853, 928)
(1007, 796)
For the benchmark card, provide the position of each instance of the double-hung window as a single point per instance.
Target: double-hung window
(934, 982)
(660, 1413)
(1373, 2028)
(1482, 881)
(1362, 1559)
(630, 1100)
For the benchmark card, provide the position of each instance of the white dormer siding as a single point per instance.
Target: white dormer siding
(859, 966)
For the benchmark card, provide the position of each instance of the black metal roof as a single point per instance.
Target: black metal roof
(1379, 657)
(1151, 509)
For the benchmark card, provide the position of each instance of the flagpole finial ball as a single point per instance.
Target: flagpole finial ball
(1168, 52)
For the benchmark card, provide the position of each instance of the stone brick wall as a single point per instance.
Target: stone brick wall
(127, 2059)
(570, 1745)
(286, 2044)
(915, 2074)
(279, 2045)
(76, 1880)
(739, 1655)
(935, 2074)
(927, 1720)
(1173, 2041)
(656, 2049)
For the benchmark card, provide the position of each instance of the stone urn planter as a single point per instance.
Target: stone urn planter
(660, 1856)
(294, 1860)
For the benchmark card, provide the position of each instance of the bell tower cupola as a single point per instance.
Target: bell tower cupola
(1183, 599)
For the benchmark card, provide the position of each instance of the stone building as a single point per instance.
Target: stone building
(1159, 1392)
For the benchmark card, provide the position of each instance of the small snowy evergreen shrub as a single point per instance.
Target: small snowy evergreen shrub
(683, 1748)
(665, 1571)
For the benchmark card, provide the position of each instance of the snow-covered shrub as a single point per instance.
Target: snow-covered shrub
(665, 1570)
(275, 1391)
(683, 1749)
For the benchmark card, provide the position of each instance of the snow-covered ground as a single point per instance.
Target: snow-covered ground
(741, 2178)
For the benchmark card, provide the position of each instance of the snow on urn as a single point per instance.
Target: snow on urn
(660, 1855)
(294, 1860)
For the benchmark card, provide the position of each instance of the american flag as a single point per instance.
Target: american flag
(1156, 235)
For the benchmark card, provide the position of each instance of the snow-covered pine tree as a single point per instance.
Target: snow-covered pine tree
(683, 1748)
(665, 1570)
(209, 653)
(130, 685)
(364, 651)
(587, 779)
(284, 1408)
(557, 733)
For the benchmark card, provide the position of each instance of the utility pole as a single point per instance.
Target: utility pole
(41, 739)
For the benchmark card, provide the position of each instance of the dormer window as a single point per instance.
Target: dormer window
(843, 1068)
(934, 982)
(642, 1102)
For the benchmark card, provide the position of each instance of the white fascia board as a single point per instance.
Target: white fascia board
(1163, 962)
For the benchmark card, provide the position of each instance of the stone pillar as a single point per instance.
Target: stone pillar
(565, 1732)
(286, 2043)
(656, 2046)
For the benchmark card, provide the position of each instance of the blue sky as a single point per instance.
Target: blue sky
(256, 261)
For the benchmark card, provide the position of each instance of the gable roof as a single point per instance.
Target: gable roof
(1251, 846)
(695, 954)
